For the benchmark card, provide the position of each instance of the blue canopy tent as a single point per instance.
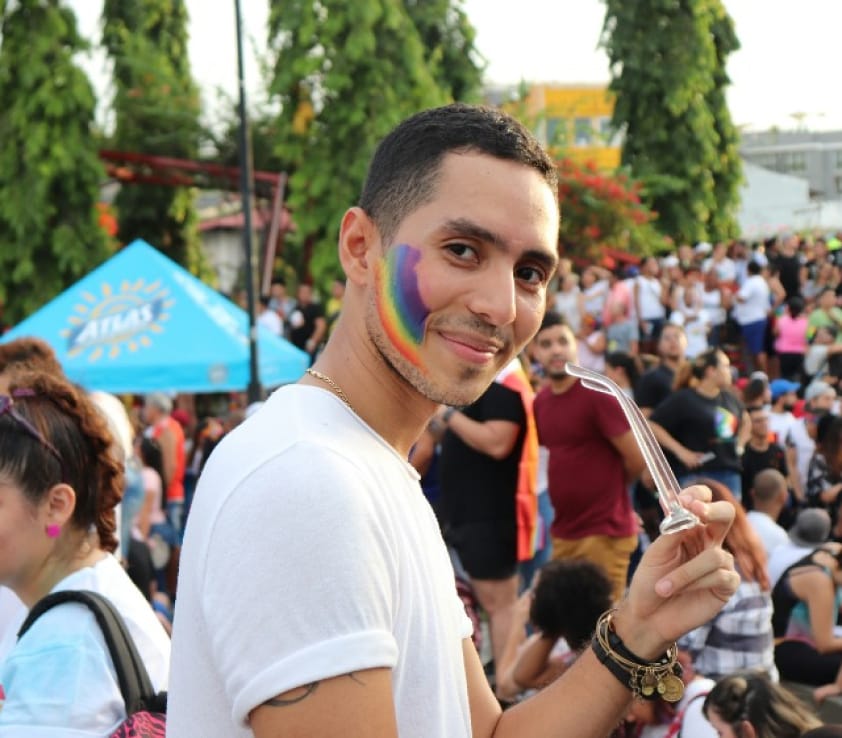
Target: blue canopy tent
(139, 323)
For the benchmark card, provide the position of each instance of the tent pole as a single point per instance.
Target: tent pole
(255, 391)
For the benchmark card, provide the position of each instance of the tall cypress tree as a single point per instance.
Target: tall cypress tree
(156, 111)
(668, 74)
(448, 39)
(50, 172)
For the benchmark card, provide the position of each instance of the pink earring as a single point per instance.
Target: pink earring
(53, 530)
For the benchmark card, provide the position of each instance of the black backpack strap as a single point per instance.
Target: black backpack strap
(135, 685)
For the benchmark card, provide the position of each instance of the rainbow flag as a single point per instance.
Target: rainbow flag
(514, 377)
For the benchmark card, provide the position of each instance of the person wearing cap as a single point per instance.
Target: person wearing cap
(810, 531)
(782, 421)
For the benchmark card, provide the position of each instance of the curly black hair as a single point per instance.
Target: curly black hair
(568, 599)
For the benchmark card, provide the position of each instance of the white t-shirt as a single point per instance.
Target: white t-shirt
(649, 298)
(771, 534)
(270, 320)
(712, 302)
(726, 270)
(59, 679)
(785, 556)
(694, 723)
(804, 448)
(782, 425)
(12, 615)
(752, 300)
(311, 552)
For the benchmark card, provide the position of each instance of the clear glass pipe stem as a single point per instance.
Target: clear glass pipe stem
(676, 516)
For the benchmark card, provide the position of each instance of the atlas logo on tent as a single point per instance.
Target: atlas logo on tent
(125, 318)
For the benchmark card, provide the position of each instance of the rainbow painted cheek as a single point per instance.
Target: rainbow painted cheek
(399, 303)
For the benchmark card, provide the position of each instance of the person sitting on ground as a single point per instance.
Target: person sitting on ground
(769, 496)
(59, 485)
(561, 608)
(750, 705)
(740, 635)
(807, 598)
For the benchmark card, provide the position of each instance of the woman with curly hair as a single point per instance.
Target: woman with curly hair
(750, 705)
(59, 485)
(740, 636)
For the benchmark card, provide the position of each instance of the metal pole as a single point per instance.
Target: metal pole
(255, 391)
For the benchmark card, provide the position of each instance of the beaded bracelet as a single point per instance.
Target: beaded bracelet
(646, 679)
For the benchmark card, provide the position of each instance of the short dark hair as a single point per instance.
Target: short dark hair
(570, 596)
(403, 171)
(551, 318)
(753, 267)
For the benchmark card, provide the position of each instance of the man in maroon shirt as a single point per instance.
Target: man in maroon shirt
(593, 458)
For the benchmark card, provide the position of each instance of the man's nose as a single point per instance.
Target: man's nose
(494, 296)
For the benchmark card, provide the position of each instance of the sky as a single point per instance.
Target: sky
(784, 75)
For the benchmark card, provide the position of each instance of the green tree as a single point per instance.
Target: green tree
(668, 74)
(50, 172)
(345, 74)
(728, 172)
(156, 111)
(449, 49)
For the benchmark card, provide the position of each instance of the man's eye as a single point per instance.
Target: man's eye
(462, 251)
(531, 275)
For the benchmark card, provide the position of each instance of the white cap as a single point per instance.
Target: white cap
(703, 247)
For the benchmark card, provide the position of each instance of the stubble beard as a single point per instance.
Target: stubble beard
(458, 392)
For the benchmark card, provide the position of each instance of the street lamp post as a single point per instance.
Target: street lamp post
(255, 391)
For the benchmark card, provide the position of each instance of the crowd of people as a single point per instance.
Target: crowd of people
(286, 575)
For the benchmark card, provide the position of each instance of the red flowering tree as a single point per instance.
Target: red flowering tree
(600, 210)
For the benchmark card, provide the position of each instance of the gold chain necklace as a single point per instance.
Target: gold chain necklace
(335, 387)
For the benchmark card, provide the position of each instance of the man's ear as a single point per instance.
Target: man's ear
(358, 241)
(59, 504)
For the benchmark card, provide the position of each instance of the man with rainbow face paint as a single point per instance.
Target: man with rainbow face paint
(316, 596)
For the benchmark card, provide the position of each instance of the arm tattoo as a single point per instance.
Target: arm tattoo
(308, 689)
(287, 701)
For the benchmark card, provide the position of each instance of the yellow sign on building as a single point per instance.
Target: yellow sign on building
(574, 120)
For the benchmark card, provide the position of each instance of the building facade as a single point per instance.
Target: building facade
(814, 156)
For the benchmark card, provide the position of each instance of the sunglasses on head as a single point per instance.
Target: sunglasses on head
(7, 407)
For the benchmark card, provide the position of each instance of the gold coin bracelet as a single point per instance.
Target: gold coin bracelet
(649, 680)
